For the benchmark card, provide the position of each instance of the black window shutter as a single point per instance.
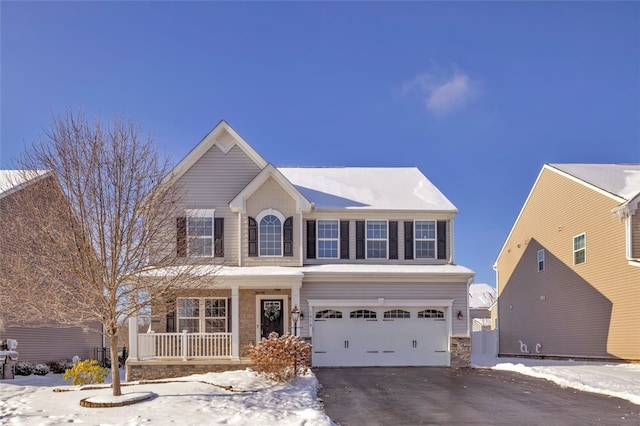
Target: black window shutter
(218, 236)
(393, 239)
(344, 239)
(171, 316)
(181, 236)
(360, 240)
(253, 237)
(311, 239)
(287, 231)
(442, 239)
(408, 240)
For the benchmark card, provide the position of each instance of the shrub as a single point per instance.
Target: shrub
(86, 372)
(23, 368)
(280, 358)
(41, 370)
(59, 367)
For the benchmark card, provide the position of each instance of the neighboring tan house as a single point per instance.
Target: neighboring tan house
(366, 254)
(481, 298)
(36, 343)
(568, 275)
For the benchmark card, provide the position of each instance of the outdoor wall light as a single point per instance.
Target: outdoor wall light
(460, 315)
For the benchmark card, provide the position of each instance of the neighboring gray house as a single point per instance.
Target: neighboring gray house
(36, 343)
(366, 254)
(481, 298)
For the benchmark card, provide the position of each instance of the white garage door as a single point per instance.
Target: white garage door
(374, 336)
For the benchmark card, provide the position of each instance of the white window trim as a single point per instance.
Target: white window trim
(541, 251)
(574, 251)
(201, 213)
(434, 239)
(280, 216)
(337, 240)
(367, 239)
(202, 323)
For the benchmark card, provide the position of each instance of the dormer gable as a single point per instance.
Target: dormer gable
(225, 138)
(238, 204)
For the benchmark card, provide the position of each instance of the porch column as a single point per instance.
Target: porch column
(295, 301)
(235, 322)
(133, 338)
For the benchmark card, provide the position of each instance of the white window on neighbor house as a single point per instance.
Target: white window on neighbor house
(377, 239)
(200, 232)
(270, 233)
(540, 260)
(425, 239)
(202, 314)
(327, 238)
(579, 249)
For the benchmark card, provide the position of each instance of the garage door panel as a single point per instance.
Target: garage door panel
(367, 336)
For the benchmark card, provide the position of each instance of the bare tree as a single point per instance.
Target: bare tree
(102, 253)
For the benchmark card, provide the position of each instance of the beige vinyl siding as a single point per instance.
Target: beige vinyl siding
(43, 344)
(635, 235)
(388, 291)
(271, 195)
(400, 217)
(214, 180)
(591, 309)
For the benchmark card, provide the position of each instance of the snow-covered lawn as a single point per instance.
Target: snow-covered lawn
(618, 380)
(243, 398)
(230, 398)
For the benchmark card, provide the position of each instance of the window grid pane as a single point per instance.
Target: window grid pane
(425, 239)
(376, 239)
(327, 238)
(579, 249)
(200, 235)
(270, 236)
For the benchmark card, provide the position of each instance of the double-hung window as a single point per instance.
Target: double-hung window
(425, 239)
(270, 233)
(202, 315)
(328, 234)
(540, 260)
(377, 241)
(579, 249)
(200, 232)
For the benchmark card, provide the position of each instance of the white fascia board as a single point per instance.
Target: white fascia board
(238, 203)
(388, 277)
(205, 145)
(32, 176)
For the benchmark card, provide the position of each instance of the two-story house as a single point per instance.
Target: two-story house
(365, 254)
(568, 275)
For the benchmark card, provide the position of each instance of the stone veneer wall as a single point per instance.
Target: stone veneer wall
(163, 370)
(460, 352)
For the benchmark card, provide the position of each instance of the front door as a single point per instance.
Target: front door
(272, 317)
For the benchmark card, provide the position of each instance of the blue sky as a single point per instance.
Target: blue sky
(477, 95)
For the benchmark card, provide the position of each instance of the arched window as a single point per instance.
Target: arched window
(270, 233)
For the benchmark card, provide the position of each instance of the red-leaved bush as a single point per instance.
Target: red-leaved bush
(280, 358)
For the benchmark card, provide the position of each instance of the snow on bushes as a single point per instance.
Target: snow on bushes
(280, 358)
(41, 370)
(23, 368)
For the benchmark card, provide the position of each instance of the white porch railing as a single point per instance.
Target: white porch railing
(184, 345)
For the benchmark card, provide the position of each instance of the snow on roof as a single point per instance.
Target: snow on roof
(481, 295)
(622, 180)
(13, 180)
(383, 188)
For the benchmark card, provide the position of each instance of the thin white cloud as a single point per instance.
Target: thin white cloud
(441, 91)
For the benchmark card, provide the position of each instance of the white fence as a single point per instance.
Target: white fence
(184, 345)
(484, 342)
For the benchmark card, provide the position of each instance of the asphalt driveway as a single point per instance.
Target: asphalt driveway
(433, 395)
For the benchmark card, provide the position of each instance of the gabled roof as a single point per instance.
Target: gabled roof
(225, 138)
(14, 180)
(481, 295)
(620, 180)
(239, 201)
(377, 188)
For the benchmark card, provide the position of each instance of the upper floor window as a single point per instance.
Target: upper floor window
(377, 239)
(270, 234)
(579, 249)
(199, 232)
(540, 260)
(202, 315)
(328, 239)
(425, 239)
